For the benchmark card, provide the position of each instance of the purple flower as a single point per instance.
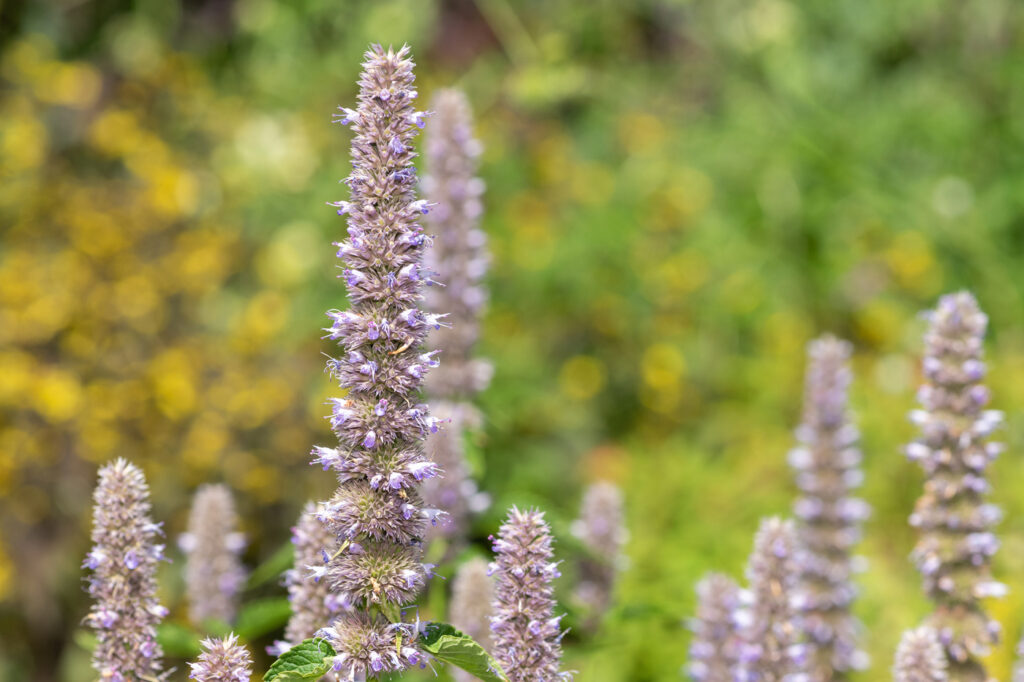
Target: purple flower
(920, 658)
(602, 529)
(827, 462)
(955, 544)
(223, 660)
(381, 455)
(470, 611)
(715, 647)
(313, 606)
(772, 631)
(527, 634)
(125, 611)
(213, 572)
(459, 256)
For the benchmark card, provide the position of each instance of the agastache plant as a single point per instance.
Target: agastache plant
(1018, 665)
(223, 660)
(459, 257)
(601, 527)
(953, 518)
(377, 514)
(123, 561)
(715, 647)
(920, 658)
(470, 611)
(772, 649)
(214, 574)
(827, 463)
(527, 634)
(312, 603)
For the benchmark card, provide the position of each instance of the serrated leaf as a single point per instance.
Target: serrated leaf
(309, 660)
(178, 641)
(261, 616)
(273, 567)
(447, 644)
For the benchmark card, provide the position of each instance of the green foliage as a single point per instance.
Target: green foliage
(449, 645)
(262, 616)
(309, 660)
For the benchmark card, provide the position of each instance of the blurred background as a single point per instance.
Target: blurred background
(681, 193)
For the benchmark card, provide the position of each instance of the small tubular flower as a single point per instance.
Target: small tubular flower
(313, 604)
(123, 561)
(920, 658)
(772, 634)
(459, 261)
(715, 647)
(602, 529)
(222, 660)
(459, 255)
(376, 515)
(953, 518)
(527, 634)
(214, 574)
(470, 611)
(827, 462)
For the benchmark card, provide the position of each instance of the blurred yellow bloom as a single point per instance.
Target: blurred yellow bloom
(581, 377)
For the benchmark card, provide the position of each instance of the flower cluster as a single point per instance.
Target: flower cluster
(772, 650)
(377, 514)
(459, 252)
(602, 529)
(827, 464)
(223, 660)
(214, 574)
(715, 647)
(123, 561)
(470, 611)
(459, 257)
(920, 658)
(313, 604)
(527, 634)
(954, 521)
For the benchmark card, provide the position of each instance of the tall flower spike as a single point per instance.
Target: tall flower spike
(313, 605)
(953, 519)
(459, 258)
(459, 254)
(470, 612)
(123, 561)
(772, 650)
(527, 634)
(920, 658)
(213, 572)
(377, 514)
(223, 660)
(827, 463)
(715, 647)
(602, 529)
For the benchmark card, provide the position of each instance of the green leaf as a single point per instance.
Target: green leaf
(261, 616)
(271, 569)
(178, 641)
(447, 644)
(309, 660)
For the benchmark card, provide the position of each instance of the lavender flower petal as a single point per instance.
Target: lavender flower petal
(602, 529)
(920, 657)
(827, 463)
(376, 514)
(123, 561)
(772, 649)
(527, 634)
(223, 660)
(214, 574)
(954, 521)
(715, 647)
